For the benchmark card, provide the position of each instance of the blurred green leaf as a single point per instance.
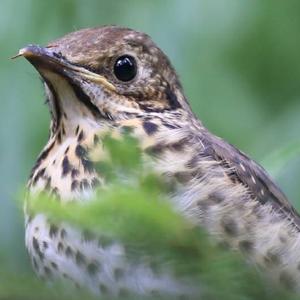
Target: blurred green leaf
(279, 158)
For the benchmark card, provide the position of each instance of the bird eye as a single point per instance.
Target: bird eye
(125, 68)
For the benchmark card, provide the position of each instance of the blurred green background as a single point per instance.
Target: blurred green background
(238, 62)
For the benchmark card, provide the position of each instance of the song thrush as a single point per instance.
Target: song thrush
(110, 77)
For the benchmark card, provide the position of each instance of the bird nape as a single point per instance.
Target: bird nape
(107, 79)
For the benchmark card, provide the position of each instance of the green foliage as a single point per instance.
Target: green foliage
(277, 160)
(125, 157)
(137, 212)
(27, 287)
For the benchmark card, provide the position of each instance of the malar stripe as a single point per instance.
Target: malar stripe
(56, 103)
(85, 99)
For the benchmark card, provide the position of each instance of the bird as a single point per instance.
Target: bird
(111, 78)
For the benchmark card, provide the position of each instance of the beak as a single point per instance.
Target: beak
(46, 59)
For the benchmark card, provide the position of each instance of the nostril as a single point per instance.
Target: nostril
(57, 54)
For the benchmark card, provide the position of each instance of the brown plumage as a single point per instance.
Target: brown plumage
(218, 187)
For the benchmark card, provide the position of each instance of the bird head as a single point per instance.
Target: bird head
(105, 74)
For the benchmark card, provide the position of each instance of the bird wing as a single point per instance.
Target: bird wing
(246, 171)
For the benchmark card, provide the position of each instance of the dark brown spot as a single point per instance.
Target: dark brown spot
(178, 146)
(74, 173)
(66, 167)
(67, 150)
(172, 98)
(63, 131)
(230, 226)
(282, 239)
(246, 246)
(108, 116)
(42, 156)
(59, 137)
(92, 268)
(96, 139)
(38, 175)
(118, 273)
(65, 115)
(84, 184)
(80, 259)
(35, 264)
(170, 126)
(60, 247)
(88, 236)
(203, 205)
(54, 265)
(95, 182)
(77, 285)
(209, 151)
(41, 172)
(149, 127)
(104, 241)
(193, 163)
(80, 136)
(80, 151)
(287, 280)
(54, 192)
(36, 247)
(77, 130)
(29, 219)
(69, 252)
(155, 150)
(63, 233)
(183, 177)
(48, 184)
(216, 197)
(53, 230)
(88, 166)
(155, 267)
(103, 289)
(74, 185)
(271, 258)
(47, 271)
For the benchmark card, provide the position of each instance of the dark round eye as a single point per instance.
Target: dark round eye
(125, 68)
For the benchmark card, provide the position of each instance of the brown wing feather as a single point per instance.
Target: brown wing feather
(251, 175)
